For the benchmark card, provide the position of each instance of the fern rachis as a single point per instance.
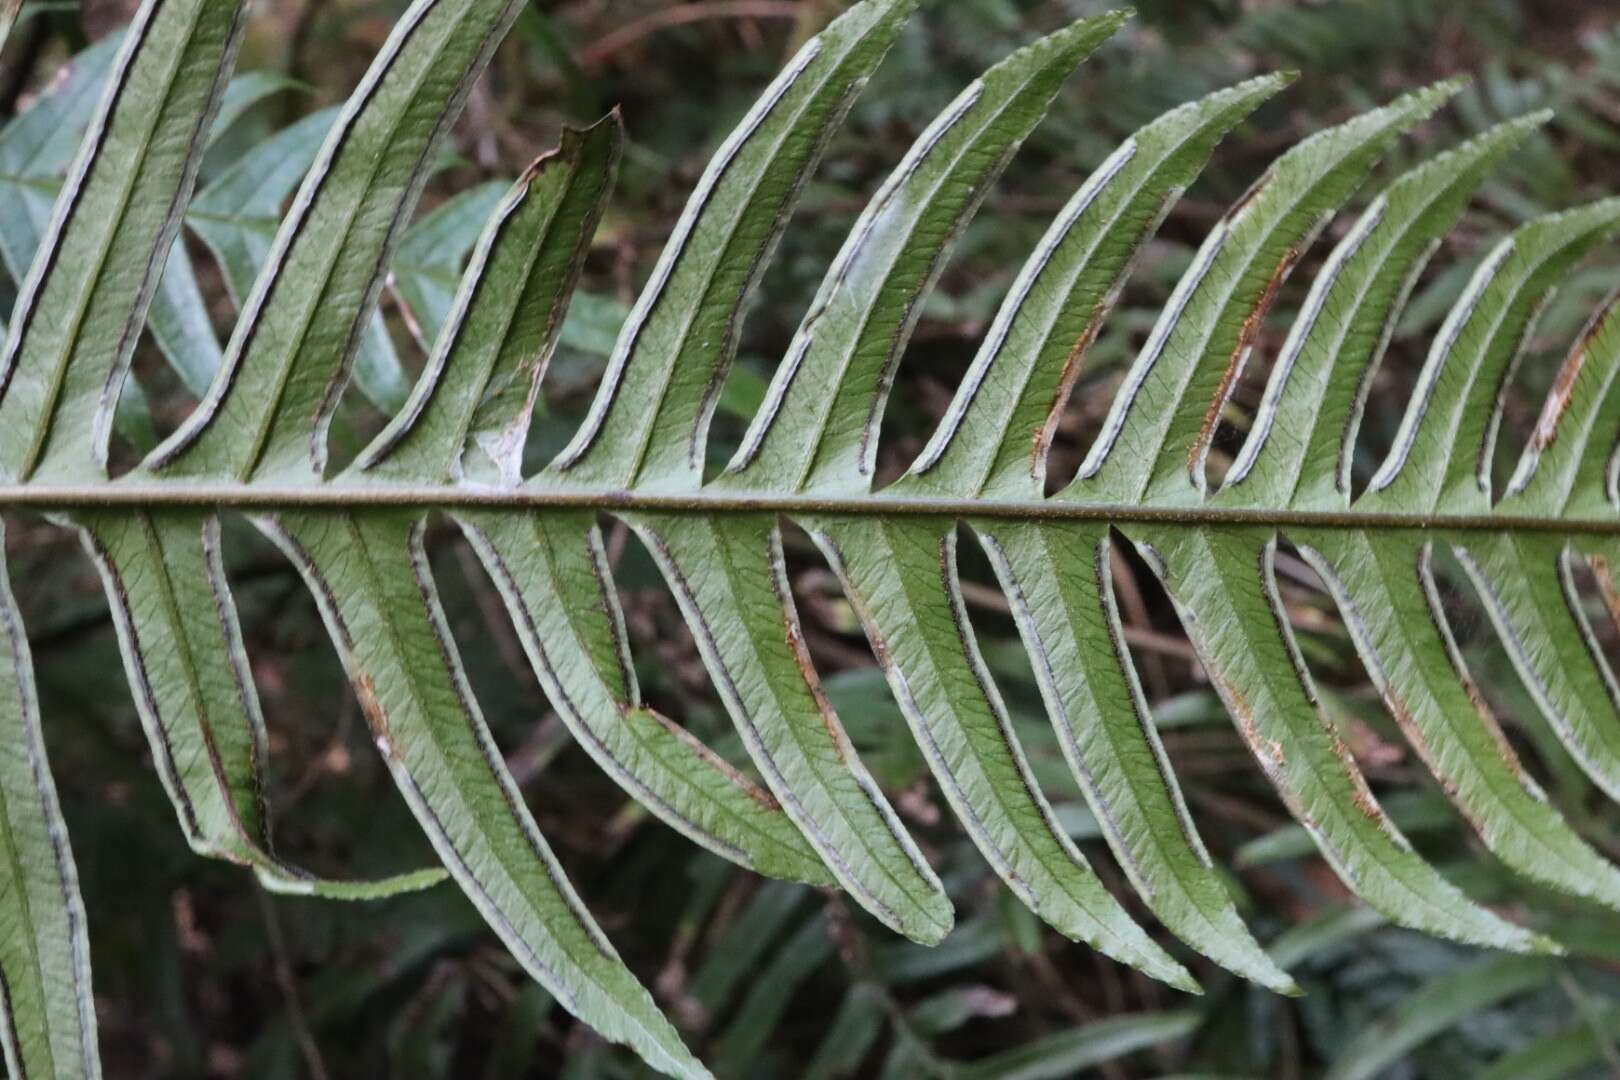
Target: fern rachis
(256, 445)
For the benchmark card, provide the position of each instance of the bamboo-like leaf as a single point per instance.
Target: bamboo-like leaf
(311, 283)
(649, 423)
(1096, 1043)
(47, 1016)
(1301, 448)
(370, 578)
(1575, 1050)
(1157, 435)
(83, 304)
(289, 359)
(1433, 1008)
(818, 427)
(1387, 594)
(1222, 584)
(176, 621)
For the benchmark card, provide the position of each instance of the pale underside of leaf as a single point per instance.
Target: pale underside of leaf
(479, 388)
(370, 578)
(291, 354)
(1446, 441)
(81, 309)
(164, 577)
(47, 1015)
(729, 579)
(1386, 591)
(995, 437)
(1223, 586)
(818, 427)
(901, 578)
(1527, 585)
(1059, 581)
(1158, 431)
(648, 424)
(310, 287)
(237, 216)
(552, 573)
(1301, 447)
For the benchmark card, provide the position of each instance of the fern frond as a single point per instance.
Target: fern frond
(308, 286)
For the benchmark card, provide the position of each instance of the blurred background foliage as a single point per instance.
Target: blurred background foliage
(200, 974)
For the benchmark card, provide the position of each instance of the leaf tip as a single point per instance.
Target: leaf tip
(1542, 945)
(1179, 978)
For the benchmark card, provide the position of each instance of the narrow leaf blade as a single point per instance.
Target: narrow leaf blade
(47, 1015)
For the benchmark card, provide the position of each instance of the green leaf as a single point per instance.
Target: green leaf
(1059, 581)
(1528, 587)
(552, 572)
(289, 359)
(1062, 1055)
(818, 428)
(1301, 449)
(483, 378)
(47, 1014)
(164, 576)
(38, 145)
(1434, 1007)
(1223, 584)
(311, 282)
(370, 578)
(1157, 435)
(901, 577)
(1443, 451)
(81, 309)
(1386, 592)
(427, 267)
(994, 438)
(730, 581)
(650, 419)
(1570, 1051)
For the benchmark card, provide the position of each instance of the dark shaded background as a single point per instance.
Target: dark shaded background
(199, 974)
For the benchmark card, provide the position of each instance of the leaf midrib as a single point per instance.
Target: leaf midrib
(259, 497)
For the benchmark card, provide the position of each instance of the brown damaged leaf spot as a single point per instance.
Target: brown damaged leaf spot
(1487, 717)
(1414, 735)
(1263, 747)
(1248, 197)
(1362, 796)
(365, 689)
(697, 747)
(807, 671)
(1235, 361)
(1605, 583)
(1563, 387)
(1044, 434)
(1360, 793)
(1558, 398)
